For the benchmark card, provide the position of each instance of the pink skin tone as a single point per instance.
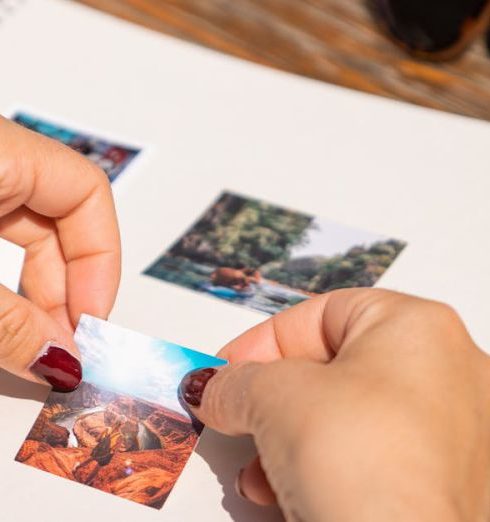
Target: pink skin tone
(59, 207)
(364, 405)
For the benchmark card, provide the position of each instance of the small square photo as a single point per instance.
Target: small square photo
(123, 430)
(111, 157)
(268, 258)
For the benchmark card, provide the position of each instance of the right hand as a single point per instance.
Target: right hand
(364, 404)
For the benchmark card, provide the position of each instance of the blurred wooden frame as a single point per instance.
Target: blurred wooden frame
(335, 41)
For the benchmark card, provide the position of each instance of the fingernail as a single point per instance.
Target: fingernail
(192, 385)
(238, 485)
(59, 368)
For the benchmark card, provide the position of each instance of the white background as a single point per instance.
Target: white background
(11, 257)
(216, 123)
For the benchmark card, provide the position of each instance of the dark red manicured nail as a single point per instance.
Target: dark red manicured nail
(59, 368)
(192, 385)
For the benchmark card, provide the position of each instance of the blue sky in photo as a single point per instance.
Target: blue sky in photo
(131, 363)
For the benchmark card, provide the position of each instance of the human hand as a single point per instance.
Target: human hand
(364, 404)
(59, 207)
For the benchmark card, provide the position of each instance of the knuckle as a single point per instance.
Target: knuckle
(15, 331)
(10, 177)
(374, 304)
(100, 183)
(442, 314)
(88, 169)
(99, 177)
(378, 304)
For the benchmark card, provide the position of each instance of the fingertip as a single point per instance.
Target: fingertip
(192, 386)
(252, 484)
(58, 367)
(219, 397)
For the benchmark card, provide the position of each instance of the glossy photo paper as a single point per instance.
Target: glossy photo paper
(268, 258)
(123, 430)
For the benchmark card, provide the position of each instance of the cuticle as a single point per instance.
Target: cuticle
(44, 350)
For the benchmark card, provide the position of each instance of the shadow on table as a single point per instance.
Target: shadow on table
(12, 386)
(226, 456)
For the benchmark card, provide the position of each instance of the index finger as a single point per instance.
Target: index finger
(54, 181)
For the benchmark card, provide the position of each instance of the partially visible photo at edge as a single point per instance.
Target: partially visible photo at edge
(268, 258)
(113, 158)
(124, 429)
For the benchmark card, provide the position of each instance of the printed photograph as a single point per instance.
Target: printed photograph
(111, 157)
(123, 430)
(269, 258)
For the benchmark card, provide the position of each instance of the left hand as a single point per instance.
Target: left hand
(58, 206)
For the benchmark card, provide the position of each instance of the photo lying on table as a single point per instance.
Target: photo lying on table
(111, 157)
(123, 430)
(269, 258)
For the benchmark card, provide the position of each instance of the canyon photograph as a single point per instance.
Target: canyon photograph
(118, 444)
(124, 430)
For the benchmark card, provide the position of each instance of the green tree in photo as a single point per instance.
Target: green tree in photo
(239, 232)
(359, 267)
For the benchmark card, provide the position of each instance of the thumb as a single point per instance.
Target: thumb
(246, 397)
(34, 346)
(271, 401)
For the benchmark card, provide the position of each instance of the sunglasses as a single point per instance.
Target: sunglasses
(432, 29)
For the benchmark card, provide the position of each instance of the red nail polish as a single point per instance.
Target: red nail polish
(59, 368)
(192, 385)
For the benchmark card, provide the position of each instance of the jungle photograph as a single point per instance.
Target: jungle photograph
(268, 258)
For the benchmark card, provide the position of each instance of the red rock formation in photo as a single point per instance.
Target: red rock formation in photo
(89, 428)
(145, 476)
(46, 431)
(142, 475)
(60, 461)
(85, 396)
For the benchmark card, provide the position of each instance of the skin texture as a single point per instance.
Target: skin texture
(365, 405)
(59, 207)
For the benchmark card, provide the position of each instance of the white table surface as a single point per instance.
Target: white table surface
(212, 122)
